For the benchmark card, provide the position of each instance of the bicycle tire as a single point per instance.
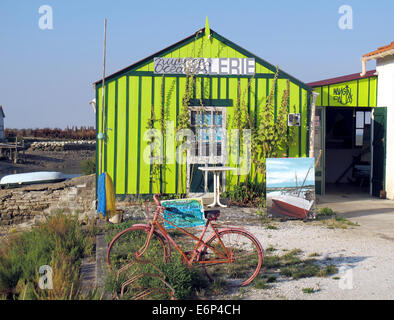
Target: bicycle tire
(239, 272)
(125, 244)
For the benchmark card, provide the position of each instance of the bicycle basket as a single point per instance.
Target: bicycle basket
(184, 213)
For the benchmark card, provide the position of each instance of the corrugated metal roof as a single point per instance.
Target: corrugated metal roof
(350, 77)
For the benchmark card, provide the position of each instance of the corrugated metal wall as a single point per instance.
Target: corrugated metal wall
(131, 97)
(363, 91)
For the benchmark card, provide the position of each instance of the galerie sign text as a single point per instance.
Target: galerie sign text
(205, 66)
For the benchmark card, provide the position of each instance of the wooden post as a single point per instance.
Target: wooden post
(16, 150)
(312, 125)
(103, 97)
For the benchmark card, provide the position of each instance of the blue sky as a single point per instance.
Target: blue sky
(46, 76)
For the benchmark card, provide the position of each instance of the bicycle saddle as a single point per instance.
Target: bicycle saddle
(211, 214)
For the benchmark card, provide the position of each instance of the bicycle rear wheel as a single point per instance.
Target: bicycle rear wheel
(244, 252)
(124, 246)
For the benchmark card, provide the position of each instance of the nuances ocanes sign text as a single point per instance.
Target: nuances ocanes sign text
(205, 66)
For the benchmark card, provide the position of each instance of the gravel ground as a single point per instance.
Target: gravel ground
(365, 262)
(364, 258)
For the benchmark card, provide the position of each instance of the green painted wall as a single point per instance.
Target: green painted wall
(355, 93)
(131, 97)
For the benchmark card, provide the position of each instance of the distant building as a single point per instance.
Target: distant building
(354, 129)
(2, 116)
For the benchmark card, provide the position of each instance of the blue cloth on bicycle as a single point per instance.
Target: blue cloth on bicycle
(184, 213)
(101, 207)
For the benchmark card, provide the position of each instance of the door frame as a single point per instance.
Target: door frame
(207, 160)
(372, 149)
(323, 143)
(322, 170)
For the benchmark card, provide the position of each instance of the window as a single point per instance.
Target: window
(207, 125)
(363, 121)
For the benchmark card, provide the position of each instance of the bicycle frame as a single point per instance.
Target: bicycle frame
(200, 245)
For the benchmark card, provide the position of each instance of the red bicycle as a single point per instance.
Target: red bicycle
(231, 254)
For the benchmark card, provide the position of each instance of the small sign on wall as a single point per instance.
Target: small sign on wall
(294, 119)
(343, 95)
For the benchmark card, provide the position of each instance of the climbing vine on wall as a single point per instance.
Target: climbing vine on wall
(270, 136)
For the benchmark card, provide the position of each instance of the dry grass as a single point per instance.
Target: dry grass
(60, 243)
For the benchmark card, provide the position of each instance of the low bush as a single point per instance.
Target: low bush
(88, 166)
(329, 218)
(247, 194)
(308, 290)
(326, 212)
(183, 279)
(293, 266)
(186, 281)
(60, 243)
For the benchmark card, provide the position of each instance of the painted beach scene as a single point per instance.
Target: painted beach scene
(290, 188)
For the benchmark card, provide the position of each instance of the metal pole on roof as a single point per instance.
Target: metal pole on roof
(103, 98)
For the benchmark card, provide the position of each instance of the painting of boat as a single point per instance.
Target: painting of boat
(292, 206)
(21, 179)
(286, 198)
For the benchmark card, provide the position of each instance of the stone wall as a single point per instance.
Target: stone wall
(63, 145)
(29, 204)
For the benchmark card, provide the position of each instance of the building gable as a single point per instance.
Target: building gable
(198, 46)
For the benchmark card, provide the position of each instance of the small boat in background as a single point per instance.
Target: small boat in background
(16, 180)
(292, 206)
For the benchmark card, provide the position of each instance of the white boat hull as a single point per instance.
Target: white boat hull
(32, 178)
(292, 206)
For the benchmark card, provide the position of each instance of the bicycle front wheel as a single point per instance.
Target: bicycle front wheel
(244, 253)
(124, 246)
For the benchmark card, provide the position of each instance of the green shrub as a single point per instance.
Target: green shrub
(58, 242)
(328, 271)
(326, 212)
(271, 278)
(293, 266)
(261, 284)
(182, 278)
(88, 166)
(248, 194)
(111, 230)
(308, 290)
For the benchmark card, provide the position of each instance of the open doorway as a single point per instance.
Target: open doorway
(348, 150)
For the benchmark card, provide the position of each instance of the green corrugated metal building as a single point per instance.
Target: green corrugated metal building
(140, 93)
(350, 134)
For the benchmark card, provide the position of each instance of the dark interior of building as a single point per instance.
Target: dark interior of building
(348, 149)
